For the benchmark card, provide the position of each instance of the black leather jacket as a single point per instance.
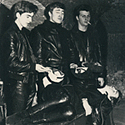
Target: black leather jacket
(17, 56)
(86, 46)
(50, 43)
(82, 40)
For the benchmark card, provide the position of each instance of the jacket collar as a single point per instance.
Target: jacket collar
(15, 27)
(76, 30)
(54, 28)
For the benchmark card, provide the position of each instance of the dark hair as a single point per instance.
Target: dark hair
(51, 6)
(22, 7)
(82, 7)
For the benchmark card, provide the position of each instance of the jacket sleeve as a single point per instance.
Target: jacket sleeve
(36, 44)
(11, 58)
(97, 49)
(74, 56)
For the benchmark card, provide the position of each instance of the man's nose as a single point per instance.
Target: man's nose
(61, 14)
(30, 20)
(86, 18)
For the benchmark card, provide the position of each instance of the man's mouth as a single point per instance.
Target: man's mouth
(59, 18)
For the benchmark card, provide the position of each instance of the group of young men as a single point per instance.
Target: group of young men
(64, 64)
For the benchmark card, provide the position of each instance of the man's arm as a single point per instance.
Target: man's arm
(36, 44)
(74, 56)
(12, 60)
(10, 53)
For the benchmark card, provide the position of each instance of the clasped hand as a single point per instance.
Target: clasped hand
(41, 68)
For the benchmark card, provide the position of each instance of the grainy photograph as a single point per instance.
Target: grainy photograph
(62, 62)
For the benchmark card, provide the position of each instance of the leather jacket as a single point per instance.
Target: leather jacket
(18, 59)
(82, 40)
(50, 43)
(86, 47)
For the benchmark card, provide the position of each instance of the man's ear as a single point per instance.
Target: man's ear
(49, 14)
(77, 18)
(17, 15)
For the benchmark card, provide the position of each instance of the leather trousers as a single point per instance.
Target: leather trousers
(18, 95)
(56, 107)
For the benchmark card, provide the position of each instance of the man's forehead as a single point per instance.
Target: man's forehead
(28, 13)
(58, 9)
(84, 12)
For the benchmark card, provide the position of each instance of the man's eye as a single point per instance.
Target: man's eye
(83, 16)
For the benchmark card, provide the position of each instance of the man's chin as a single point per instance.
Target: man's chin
(59, 22)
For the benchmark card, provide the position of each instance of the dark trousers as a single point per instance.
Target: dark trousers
(56, 107)
(18, 95)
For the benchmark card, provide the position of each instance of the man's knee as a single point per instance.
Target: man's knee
(69, 112)
(55, 92)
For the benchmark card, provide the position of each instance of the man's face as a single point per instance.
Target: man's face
(25, 18)
(57, 15)
(83, 18)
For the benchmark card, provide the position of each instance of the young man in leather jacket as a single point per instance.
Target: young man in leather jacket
(49, 43)
(18, 60)
(87, 68)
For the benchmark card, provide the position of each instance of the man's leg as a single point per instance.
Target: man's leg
(45, 113)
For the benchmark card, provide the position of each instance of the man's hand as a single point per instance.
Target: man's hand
(110, 91)
(97, 64)
(41, 68)
(87, 107)
(73, 66)
(100, 81)
(56, 76)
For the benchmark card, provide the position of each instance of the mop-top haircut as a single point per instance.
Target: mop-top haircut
(22, 7)
(50, 8)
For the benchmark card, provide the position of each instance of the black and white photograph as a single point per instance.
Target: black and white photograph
(62, 62)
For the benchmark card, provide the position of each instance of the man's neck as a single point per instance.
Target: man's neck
(82, 28)
(18, 24)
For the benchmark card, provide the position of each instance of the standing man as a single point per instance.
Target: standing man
(88, 67)
(18, 60)
(50, 44)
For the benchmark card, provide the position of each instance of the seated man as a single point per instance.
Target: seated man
(87, 68)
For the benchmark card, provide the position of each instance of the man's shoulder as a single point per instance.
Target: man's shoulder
(39, 28)
(74, 29)
(10, 31)
(65, 30)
